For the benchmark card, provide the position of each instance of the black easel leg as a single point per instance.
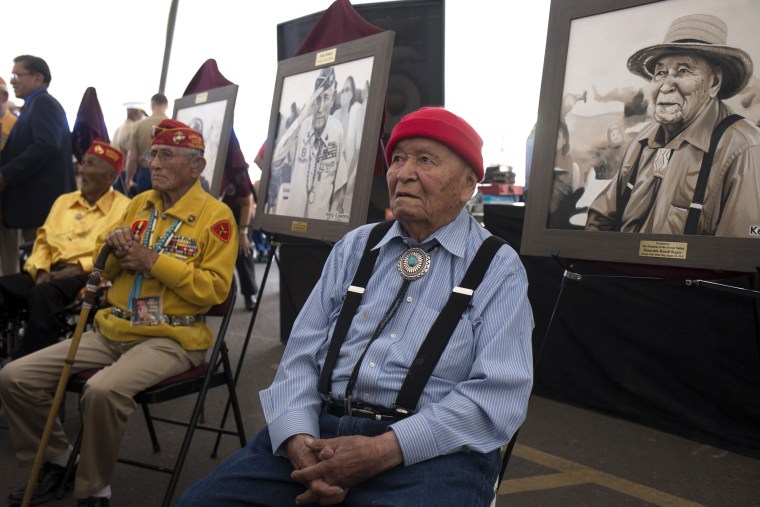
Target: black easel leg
(243, 351)
(754, 281)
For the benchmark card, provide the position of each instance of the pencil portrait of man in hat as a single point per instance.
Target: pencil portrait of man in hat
(693, 169)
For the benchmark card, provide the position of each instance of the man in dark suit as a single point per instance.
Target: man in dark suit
(35, 164)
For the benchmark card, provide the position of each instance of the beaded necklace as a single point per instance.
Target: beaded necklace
(159, 247)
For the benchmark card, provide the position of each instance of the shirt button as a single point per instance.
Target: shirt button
(409, 299)
(365, 396)
(372, 365)
(393, 336)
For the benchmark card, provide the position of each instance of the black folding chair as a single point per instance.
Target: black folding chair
(216, 371)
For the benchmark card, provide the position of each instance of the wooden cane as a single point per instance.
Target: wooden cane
(93, 281)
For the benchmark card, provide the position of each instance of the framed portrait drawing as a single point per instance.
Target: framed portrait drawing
(647, 149)
(210, 113)
(323, 139)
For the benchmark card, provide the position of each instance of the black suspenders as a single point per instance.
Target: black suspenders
(443, 327)
(695, 208)
(351, 303)
(439, 334)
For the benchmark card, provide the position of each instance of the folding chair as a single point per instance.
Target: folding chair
(216, 371)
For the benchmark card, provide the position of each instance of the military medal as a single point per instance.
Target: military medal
(413, 263)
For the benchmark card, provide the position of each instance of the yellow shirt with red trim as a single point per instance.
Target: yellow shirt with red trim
(7, 121)
(71, 228)
(193, 272)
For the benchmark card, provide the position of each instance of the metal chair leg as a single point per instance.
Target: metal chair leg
(151, 428)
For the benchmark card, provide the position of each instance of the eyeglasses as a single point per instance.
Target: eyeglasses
(16, 75)
(164, 156)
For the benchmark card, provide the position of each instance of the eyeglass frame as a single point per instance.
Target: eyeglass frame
(16, 75)
(164, 156)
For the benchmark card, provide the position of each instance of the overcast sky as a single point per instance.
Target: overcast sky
(493, 58)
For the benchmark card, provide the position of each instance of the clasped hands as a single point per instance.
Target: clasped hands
(328, 467)
(128, 250)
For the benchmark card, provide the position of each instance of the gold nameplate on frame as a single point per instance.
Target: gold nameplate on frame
(663, 249)
(296, 226)
(327, 56)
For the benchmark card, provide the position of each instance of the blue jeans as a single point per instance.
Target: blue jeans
(253, 476)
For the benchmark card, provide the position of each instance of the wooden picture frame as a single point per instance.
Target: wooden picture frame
(320, 188)
(211, 113)
(588, 46)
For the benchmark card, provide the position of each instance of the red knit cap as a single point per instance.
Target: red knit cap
(175, 133)
(447, 128)
(108, 153)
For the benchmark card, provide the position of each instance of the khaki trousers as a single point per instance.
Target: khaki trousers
(27, 386)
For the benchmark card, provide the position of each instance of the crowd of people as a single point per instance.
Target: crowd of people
(174, 249)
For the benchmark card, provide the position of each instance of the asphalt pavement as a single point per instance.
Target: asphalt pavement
(565, 455)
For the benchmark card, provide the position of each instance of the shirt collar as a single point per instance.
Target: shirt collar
(189, 206)
(452, 236)
(31, 95)
(103, 204)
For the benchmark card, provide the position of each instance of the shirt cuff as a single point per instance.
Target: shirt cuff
(168, 270)
(416, 439)
(289, 424)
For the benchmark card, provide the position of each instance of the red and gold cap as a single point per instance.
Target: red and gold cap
(175, 133)
(108, 153)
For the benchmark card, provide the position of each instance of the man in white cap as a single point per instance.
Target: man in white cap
(694, 169)
(135, 113)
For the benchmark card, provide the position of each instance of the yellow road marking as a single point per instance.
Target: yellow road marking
(571, 474)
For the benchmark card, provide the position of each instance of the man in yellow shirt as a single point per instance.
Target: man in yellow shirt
(7, 119)
(8, 237)
(174, 252)
(61, 258)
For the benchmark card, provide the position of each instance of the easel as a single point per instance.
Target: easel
(272, 255)
(572, 274)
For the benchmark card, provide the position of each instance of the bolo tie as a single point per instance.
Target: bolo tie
(661, 160)
(412, 265)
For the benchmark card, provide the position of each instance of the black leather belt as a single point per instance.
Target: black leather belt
(363, 410)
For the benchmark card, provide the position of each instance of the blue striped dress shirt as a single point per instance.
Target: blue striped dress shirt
(478, 394)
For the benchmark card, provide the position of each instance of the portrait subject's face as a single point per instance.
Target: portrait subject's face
(680, 88)
(96, 177)
(428, 183)
(23, 81)
(616, 137)
(322, 106)
(175, 169)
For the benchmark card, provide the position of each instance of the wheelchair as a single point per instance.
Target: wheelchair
(13, 324)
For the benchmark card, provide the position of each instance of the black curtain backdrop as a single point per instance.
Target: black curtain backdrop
(680, 359)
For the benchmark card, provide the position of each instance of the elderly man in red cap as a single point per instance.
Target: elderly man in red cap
(61, 258)
(696, 168)
(174, 249)
(410, 364)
